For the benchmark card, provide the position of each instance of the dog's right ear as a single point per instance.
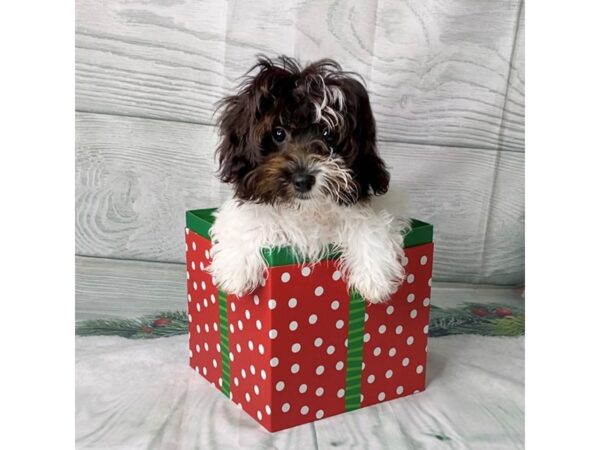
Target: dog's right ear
(242, 122)
(237, 152)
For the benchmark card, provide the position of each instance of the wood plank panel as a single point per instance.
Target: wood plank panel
(136, 178)
(110, 288)
(437, 70)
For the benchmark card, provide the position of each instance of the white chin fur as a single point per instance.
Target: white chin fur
(370, 243)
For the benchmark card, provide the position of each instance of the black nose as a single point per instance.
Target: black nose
(303, 182)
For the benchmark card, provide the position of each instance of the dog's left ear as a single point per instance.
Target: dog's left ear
(370, 170)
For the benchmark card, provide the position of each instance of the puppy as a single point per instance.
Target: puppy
(298, 147)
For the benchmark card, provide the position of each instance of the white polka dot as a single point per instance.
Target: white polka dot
(261, 349)
(194, 246)
(203, 284)
(231, 328)
(187, 274)
(296, 347)
(206, 346)
(404, 260)
(190, 318)
(258, 324)
(198, 329)
(366, 337)
(339, 324)
(319, 391)
(193, 265)
(423, 260)
(399, 329)
(319, 291)
(319, 370)
(335, 305)
(419, 369)
(389, 373)
(213, 299)
(330, 350)
(362, 397)
(272, 303)
(204, 371)
(263, 282)
(256, 300)
(370, 379)
(318, 342)
(247, 314)
(429, 282)
(366, 317)
(218, 347)
(410, 278)
(274, 361)
(339, 365)
(256, 390)
(305, 271)
(382, 329)
(205, 302)
(247, 396)
(319, 414)
(201, 265)
(252, 369)
(215, 326)
(426, 329)
(259, 415)
(207, 328)
(413, 314)
(268, 410)
(336, 275)
(295, 368)
(293, 325)
(187, 230)
(189, 298)
(426, 301)
(405, 362)
(340, 393)
(304, 410)
(280, 386)
(233, 306)
(346, 342)
(292, 302)
(389, 309)
(195, 286)
(410, 340)
(231, 356)
(236, 381)
(285, 407)
(312, 319)
(238, 348)
(410, 298)
(191, 353)
(303, 388)
(272, 334)
(214, 361)
(206, 254)
(198, 307)
(381, 396)
(377, 351)
(285, 277)
(240, 325)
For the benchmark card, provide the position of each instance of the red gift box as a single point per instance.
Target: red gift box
(301, 347)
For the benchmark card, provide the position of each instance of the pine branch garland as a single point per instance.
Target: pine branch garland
(470, 318)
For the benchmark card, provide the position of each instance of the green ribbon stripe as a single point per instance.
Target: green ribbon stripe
(224, 327)
(354, 358)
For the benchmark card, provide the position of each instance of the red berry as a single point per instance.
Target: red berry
(480, 312)
(147, 330)
(161, 322)
(503, 312)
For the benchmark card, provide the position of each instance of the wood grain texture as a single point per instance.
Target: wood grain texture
(136, 178)
(437, 70)
(109, 289)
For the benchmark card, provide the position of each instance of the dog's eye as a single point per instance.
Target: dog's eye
(278, 134)
(328, 135)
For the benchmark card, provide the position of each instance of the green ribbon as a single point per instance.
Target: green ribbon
(354, 359)
(224, 330)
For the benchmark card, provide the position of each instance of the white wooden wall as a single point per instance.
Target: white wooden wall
(446, 79)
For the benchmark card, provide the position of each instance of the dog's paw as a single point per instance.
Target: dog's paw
(235, 273)
(376, 286)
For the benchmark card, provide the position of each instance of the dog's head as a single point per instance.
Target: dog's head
(293, 134)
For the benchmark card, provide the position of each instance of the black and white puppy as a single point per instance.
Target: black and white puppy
(298, 147)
